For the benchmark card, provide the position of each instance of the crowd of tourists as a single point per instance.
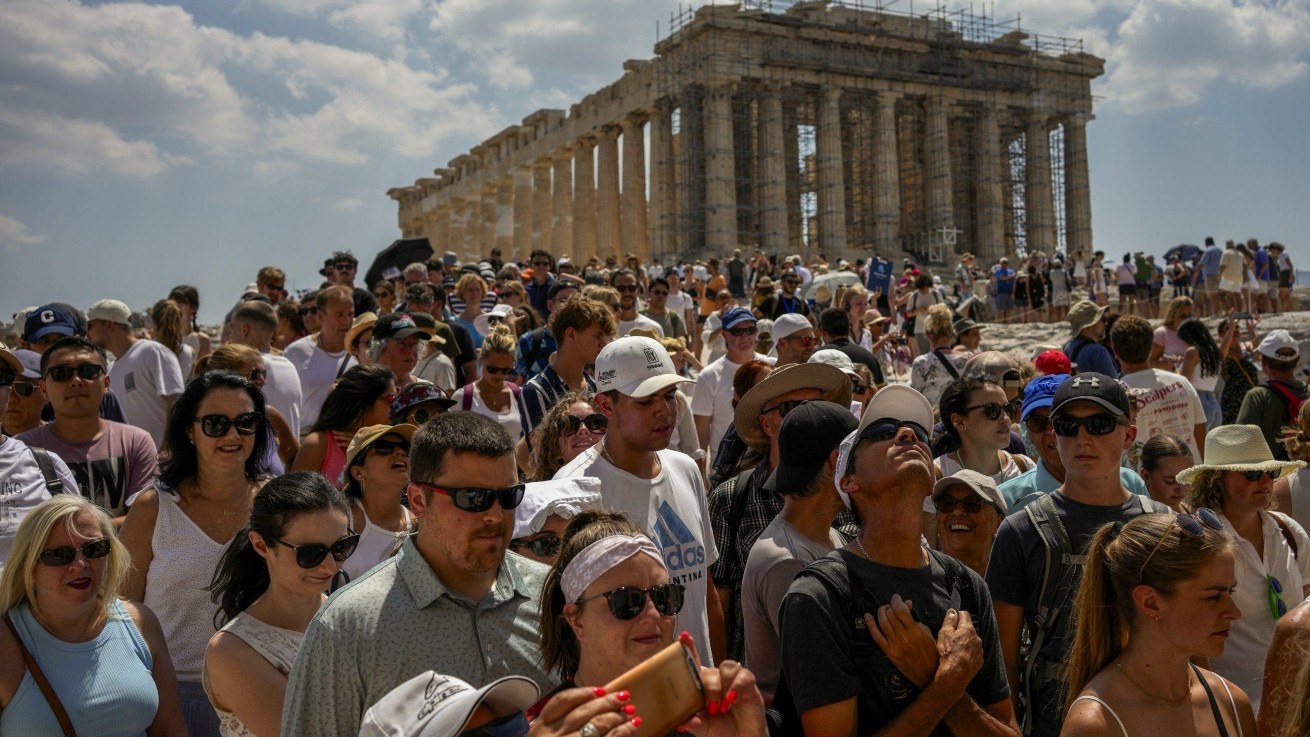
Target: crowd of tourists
(745, 496)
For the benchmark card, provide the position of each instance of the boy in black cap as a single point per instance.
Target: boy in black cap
(1090, 415)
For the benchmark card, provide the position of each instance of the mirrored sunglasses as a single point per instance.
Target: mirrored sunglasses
(477, 499)
(66, 554)
(546, 545)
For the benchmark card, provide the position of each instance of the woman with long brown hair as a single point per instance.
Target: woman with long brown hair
(246, 361)
(167, 320)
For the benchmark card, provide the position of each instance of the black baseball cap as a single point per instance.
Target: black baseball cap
(558, 286)
(1091, 387)
(807, 436)
(398, 325)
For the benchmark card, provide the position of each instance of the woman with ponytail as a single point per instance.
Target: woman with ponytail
(1156, 593)
(268, 585)
(246, 361)
(1202, 364)
(976, 417)
(167, 322)
(187, 298)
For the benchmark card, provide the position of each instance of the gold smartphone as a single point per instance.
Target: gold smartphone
(666, 689)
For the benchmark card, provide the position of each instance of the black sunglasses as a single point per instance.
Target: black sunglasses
(492, 370)
(382, 295)
(991, 410)
(387, 447)
(24, 389)
(344, 265)
(1252, 476)
(625, 287)
(477, 499)
(546, 546)
(1096, 425)
(310, 555)
(84, 371)
(1037, 424)
(62, 556)
(741, 332)
(658, 293)
(7, 377)
(596, 424)
(887, 429)
(216, 426)
(946, 504)
(256, 374)
(1188, 523)
(627, 602)
(784, 408)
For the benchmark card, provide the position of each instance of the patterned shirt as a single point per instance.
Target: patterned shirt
(530, 362)
(400, 620)
(543, 391)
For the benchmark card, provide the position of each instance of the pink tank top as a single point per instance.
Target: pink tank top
(334, 461)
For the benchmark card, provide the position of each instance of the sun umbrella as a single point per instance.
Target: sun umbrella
(399, 254)
(1186, 252)
(831, 280)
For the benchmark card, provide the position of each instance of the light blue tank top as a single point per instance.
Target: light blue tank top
(105, 685)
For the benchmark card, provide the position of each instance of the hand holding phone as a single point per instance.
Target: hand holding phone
(666, 689)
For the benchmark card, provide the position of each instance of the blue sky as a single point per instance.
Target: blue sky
(144, 145)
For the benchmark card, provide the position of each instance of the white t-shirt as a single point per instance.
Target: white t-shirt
(143, 379)
(282, 388)
(713, 397)
(641, 322)
(22, 487)
(187, 361)
(716, 346)
(671, 508)
(318, 371)
(1170, 405)
(681, 303)
(511, 419)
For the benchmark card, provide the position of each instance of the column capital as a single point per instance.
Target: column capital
(563, 153)
(545, 161)
(887, 97)
(610, 130)
(636, 118)
(833, 93)
(1078, 119)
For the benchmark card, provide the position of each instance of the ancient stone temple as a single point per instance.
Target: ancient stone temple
(809, 126)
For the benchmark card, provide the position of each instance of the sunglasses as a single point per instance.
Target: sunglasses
(1188, 523)
(62, 556)
(388, 398)
(309, 310)
(596, 424)
(476, 499)
(946, 504)
(381, 295)
(7, 377)
(1037, 424)
(216, 426)
(784, 408)
(1251, 476)
(887, 429)
(84, 371)
(387, 447)
(542, 264)
(275, 287)
(626, 288)
(1274, 591)
(741, 332)
(991, 410)
(627, 602)
(257, 374)
(345, 265)
(546, 546)
(658, 293)
(310, 555)
(1067, 427)
(492, 370)
(24, 389)
(857, 386)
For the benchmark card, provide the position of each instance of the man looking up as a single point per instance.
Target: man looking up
(711, 402)
(1086, 328)
(659, 489)
(624, 282)
(147, 373)
(582, 327)
(1089, 414)
(111, 461)
(1270, 404)
(322, 357)
(254, 324)
(935, 671)
(793, 339)
(451, 580)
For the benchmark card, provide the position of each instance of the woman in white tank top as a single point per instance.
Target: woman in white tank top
(1163, 584)
(268, 587)
(377, 470)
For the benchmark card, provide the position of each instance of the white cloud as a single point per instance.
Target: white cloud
(14, 235)
(382, 19)
(44, 141)
(347, 203)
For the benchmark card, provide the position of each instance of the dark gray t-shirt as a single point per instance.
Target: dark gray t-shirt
(818, 636)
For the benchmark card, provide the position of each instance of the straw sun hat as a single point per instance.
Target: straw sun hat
(1238, 448)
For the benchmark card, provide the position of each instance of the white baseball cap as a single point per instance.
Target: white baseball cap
(835, 358)
(1277, 344)
(785, 325)
(635, 366)
(111, 310)
(31, 361)
(433, 705)
(898, 402)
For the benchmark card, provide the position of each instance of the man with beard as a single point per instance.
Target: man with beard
(785, 301)
(934, 664)
(624, 282)
(450, 600)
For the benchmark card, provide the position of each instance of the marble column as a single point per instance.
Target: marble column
(636, 218)
(489, 221)
(542, 228)
(832, 185)
(662, 174)
(561, 238)
(773, 174)
(473, 223)
(1038, 196)
(886, 174)
(608, 234)
(940, 188)
(504, 228)
(455, 231)
(1078, 189)
(523, 206)
(439, 230)
(991, 198)
(584, 199)
(720, 175)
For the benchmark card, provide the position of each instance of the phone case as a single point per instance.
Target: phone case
(666, 689)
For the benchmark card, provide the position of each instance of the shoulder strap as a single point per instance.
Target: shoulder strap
(51, 697)
(1105, 706)
(1054, 593)
(1077, 351)
(53, 483)
(1287, 535)
(950, 368)
(537, 340)
(515, 390)
(738, 509)
(1288, 395)
(468, 397)
(345, 361)
(1214, 705)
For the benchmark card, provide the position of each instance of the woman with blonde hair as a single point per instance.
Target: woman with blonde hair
(104, 658)
(571, 425)
(246, 361)
(932, 371)
(513, 293)
(1156, 593)
(1292, 493)
(166, 319)
(1167, 348)
(471, 289)
(493, 394)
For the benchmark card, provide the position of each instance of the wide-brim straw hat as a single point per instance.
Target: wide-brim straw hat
(1238, 448)
(364, 322)
(834, 386)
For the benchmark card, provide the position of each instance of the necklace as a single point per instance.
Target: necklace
(604, 453)
(862, 550)
(1119, 666)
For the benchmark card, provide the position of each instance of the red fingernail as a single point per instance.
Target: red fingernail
(598, 691)
(629, 710)
(684, 634)
(622, 695)
(636, 721)
(731, 698)
(712, 708)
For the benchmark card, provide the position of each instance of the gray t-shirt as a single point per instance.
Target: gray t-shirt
(780, 552)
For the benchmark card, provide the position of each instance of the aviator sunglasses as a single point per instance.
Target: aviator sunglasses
(216, 426)
(24, 389)
(476, 499)
(62, 556)
(310, 555)
(627, 602)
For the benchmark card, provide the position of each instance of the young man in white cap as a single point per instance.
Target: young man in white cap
(793, 339)
(1274, 404)
(934, 663)
(659, 489)
(711, 403)
(146, 374)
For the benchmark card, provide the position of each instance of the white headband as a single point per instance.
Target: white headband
(601, 556)
(844, 450)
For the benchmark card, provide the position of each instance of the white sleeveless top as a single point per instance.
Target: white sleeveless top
(183, 565)
(1298, 486)
(278, 646)
(375, 545)
(1124, 729)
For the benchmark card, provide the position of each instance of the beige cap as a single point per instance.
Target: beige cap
(366, 436)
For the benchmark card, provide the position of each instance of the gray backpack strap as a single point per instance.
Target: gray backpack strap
(53, 483)
(1053, 597)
